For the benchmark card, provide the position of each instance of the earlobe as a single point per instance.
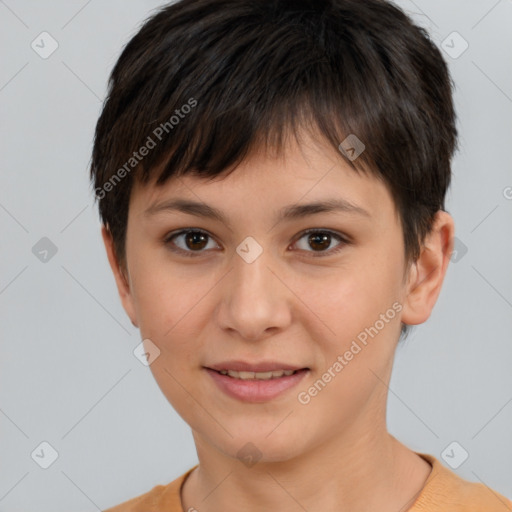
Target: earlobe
(427, 274)
(122, 281)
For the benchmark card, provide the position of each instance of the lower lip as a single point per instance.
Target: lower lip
(256, 390)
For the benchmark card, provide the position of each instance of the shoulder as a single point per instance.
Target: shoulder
(161, 497)
(444, 491)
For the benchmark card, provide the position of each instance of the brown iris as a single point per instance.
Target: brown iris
(319, 240)
(196, 240)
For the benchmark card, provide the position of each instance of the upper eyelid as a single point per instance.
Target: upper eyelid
(182, 231)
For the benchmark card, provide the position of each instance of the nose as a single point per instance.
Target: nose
(254, 300)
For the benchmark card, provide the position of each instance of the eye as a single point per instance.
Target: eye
(320, 240)
(192, 241)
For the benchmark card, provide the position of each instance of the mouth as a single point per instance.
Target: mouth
(268, 375)
(256, 387)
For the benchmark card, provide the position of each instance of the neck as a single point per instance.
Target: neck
(366, 469)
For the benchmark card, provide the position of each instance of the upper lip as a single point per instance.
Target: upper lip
(243, 366)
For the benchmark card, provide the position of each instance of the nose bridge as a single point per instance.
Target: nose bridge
(255, 300)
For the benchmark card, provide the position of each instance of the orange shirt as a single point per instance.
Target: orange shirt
(444, 491)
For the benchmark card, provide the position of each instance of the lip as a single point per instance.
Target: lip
(243, 366)
(256, 391)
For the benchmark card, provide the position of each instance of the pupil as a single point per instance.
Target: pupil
(194, 237)
(319, 239)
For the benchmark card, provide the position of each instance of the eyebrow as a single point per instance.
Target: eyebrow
(291, 212)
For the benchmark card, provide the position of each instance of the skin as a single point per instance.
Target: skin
(295, 303)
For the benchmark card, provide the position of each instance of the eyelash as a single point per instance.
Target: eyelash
(344, 241)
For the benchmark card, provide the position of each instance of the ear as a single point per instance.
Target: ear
(122, 282)
(426, 275)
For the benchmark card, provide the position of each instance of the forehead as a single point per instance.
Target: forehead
(265, 183)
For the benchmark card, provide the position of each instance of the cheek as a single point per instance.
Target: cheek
(347, 299)
(344, 317)
(350, 306)
(170, 307)
(167, 297)
(175, 311)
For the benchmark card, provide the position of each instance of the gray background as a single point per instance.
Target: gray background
(68, 375)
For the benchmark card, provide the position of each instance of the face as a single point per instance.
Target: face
(255, 287)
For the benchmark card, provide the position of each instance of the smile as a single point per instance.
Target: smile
(256, 387)
(257, 375)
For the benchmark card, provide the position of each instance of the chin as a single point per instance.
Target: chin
(262, 447)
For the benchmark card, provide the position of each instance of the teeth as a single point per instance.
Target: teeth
(257, 375)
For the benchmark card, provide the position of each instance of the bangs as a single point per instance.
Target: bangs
(251, 96)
